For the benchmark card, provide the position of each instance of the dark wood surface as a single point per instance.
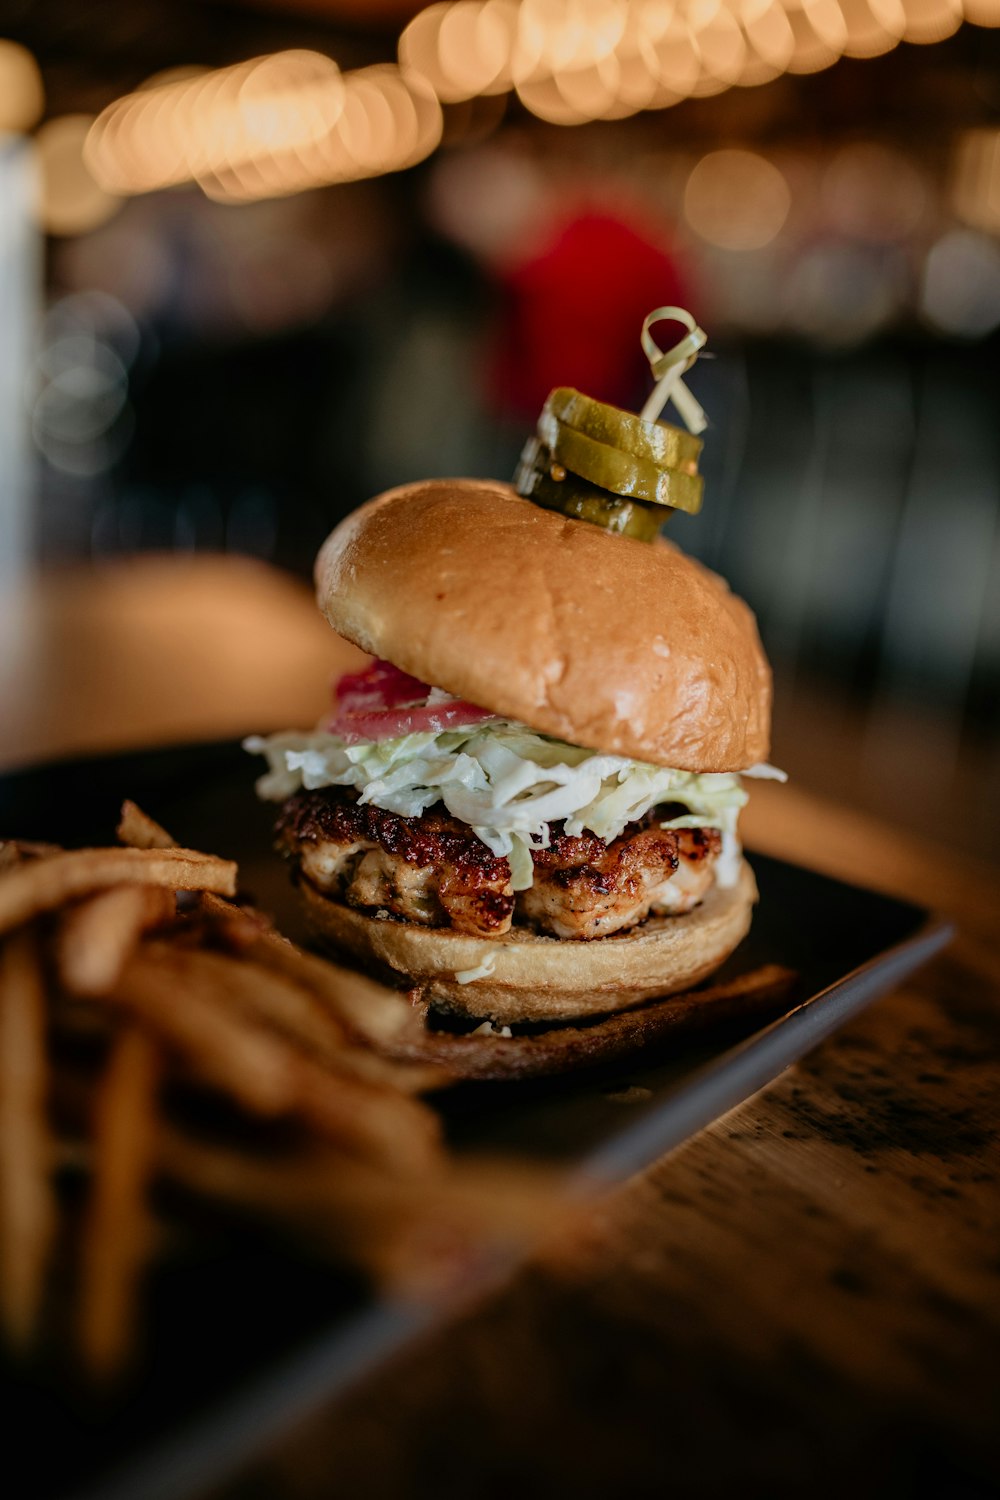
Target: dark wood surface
(805, 1299)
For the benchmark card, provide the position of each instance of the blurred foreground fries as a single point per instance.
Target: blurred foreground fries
(155, 1034)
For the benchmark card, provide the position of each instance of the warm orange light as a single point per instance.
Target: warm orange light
(462, 49)
(388, 122)
(22, 97)
(678, 65)
(755, 70)
(931, 20)
(709, 84)
(873, 26)
(975, 187)
(736, 200)
(818, 32)
(717, 38)
(575, 60)
(183, 73)
(70, 201)
(274, 124)
(545, 99)
(476, 46)
(403, 120)
(216, 122)
(418, 48)
(458, 51)
(594, 89)
(982, 12)
(768, 31)
(555, 35)
(638, 75)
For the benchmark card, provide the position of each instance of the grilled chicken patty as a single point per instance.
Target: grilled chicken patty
(584, 888)
(435, 871)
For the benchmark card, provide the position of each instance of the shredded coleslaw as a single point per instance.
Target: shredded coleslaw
(509, 784)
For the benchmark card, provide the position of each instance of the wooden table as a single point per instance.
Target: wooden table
(803, 1299)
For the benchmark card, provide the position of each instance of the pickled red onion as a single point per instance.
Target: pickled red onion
(383, 703)
(421, 718)
(380, 685)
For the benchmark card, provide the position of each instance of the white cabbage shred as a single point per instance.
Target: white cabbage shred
(481, 971)
(508, 783)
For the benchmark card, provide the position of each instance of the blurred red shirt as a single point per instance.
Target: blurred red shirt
(574, 311)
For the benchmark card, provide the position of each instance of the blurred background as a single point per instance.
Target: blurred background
(260, 260)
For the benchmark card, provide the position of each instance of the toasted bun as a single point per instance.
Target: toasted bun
(614, 644)
(400, 1027)
(542, 978)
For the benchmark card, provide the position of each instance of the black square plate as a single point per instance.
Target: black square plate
(218, 1384)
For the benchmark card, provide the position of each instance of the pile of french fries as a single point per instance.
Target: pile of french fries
(156, 1033)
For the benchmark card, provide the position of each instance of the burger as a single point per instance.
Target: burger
(524, 811)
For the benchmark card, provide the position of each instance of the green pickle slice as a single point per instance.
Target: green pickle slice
(581, 501)
(662, 444)
(622, 473)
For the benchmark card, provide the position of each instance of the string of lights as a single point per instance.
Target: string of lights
(291, 121)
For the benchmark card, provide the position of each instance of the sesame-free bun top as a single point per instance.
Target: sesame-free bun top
(619, 645)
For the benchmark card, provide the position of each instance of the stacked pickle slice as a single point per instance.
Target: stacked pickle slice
(597, 463)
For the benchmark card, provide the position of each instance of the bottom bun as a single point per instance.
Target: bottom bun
(402, 1026)
(536, 978)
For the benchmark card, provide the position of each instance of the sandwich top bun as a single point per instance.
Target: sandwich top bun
(618, 645)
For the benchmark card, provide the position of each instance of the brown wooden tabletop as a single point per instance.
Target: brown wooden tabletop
(804, 1298)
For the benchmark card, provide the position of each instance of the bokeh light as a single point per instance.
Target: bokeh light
(576, 60)
(70, 201)
(736, 200)
(80, 418)
(462, 49)
(873, 192)
(819, 34)
(976, 179)
(216, 122)
(22, 97)
(718, 40)
(675, 58)
(961, 284)
(841, 294)
(476, 44)
(873, 26)
(769, 32)
(545, 99)
(931, 20)
(266, 128)
(982, 12)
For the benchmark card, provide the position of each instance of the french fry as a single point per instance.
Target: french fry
(27, 890)
(264, 996)
(301, 995)
(361, 1216)
(368, 1010)
(16, 851)
(378, 1122)
(406, 1232)
(161, 986)
(176, 991)
(27, 1204)
(95, 938)
(216, 994)
(139, 831)
(117, 1233)
(235, 928)
(383, 1017)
